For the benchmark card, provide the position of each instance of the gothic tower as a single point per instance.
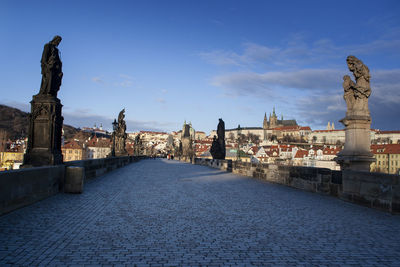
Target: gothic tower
(265, 126)
(273, 120)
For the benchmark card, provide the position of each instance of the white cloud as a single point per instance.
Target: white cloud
(220, 57)
(385, 86)
(125, 76)
(97, 80)
(160, 100)
(252, 83)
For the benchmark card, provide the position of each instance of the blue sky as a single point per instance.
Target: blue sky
(170, 61)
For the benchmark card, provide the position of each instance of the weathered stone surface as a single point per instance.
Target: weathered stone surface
(168, 213)
(45, 129)
(356, 154)
(187, 152)
(74, 179)
(19, 188)
(119, 136)
(45, 120)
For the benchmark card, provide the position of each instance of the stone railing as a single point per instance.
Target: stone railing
(23, 187)
(375, 190)
(225, 165)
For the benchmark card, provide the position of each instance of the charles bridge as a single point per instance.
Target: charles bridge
(145, 212)
(130, 210)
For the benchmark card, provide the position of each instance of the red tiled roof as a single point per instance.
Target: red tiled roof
(288, 128)
(386, 149)
(150, 132)
(96, 142)
(325, 131)
(305, 128)
(331, 151)
(387, 132)
(72, 145)
(301, 153)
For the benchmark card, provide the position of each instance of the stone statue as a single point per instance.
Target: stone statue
(51, 68)
(138, 145)
(356, 154)
(45, 119)
(120, 135)
(356, 94)
(218, 150)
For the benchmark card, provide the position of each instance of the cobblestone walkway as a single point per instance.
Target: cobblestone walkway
(167, 213)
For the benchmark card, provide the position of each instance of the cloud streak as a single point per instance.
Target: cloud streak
(296, 51)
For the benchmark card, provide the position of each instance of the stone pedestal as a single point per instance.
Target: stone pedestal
(74, 178)
(187, 151)
(45, 129)
(356, 154)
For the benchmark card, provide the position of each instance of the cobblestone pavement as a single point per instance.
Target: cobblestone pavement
(167, 213)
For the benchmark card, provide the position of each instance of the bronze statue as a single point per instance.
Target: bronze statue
(51, 68)
(356, 94)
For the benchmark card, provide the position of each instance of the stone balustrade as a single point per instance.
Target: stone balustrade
(374, 190)
(19, 188)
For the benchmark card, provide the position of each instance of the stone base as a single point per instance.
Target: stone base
(355, 162)
(121, 154)
(44, 136)
(356, 154)
(39, 157)
(74, 178)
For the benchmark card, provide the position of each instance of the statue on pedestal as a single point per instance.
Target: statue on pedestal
(45, 126)
(187, 152)
(218, 150)
(120, 135)
(356, 154)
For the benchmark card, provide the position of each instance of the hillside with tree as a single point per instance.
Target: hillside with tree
(16, 123)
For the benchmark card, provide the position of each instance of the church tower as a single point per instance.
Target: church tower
(265, 126)
(273, 120)
(265, 123)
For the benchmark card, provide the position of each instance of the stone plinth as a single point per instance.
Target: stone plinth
(356, 154)
(74, 178)
(45, 129)
(187, 151)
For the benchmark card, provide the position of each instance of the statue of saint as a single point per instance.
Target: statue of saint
(51, 68)
(356, 94)
(217, 149)
(221, 130)
(121, 122)
(120, 134)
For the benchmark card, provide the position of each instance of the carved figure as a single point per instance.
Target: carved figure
(120, 134)
(51, 68)
(217, 149)
(356, 94)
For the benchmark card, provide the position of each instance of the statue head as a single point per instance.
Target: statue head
(358, 68)
(56, 40)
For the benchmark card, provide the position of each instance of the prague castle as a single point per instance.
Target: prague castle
(272, 128)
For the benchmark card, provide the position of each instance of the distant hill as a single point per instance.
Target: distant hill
(16, 123)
